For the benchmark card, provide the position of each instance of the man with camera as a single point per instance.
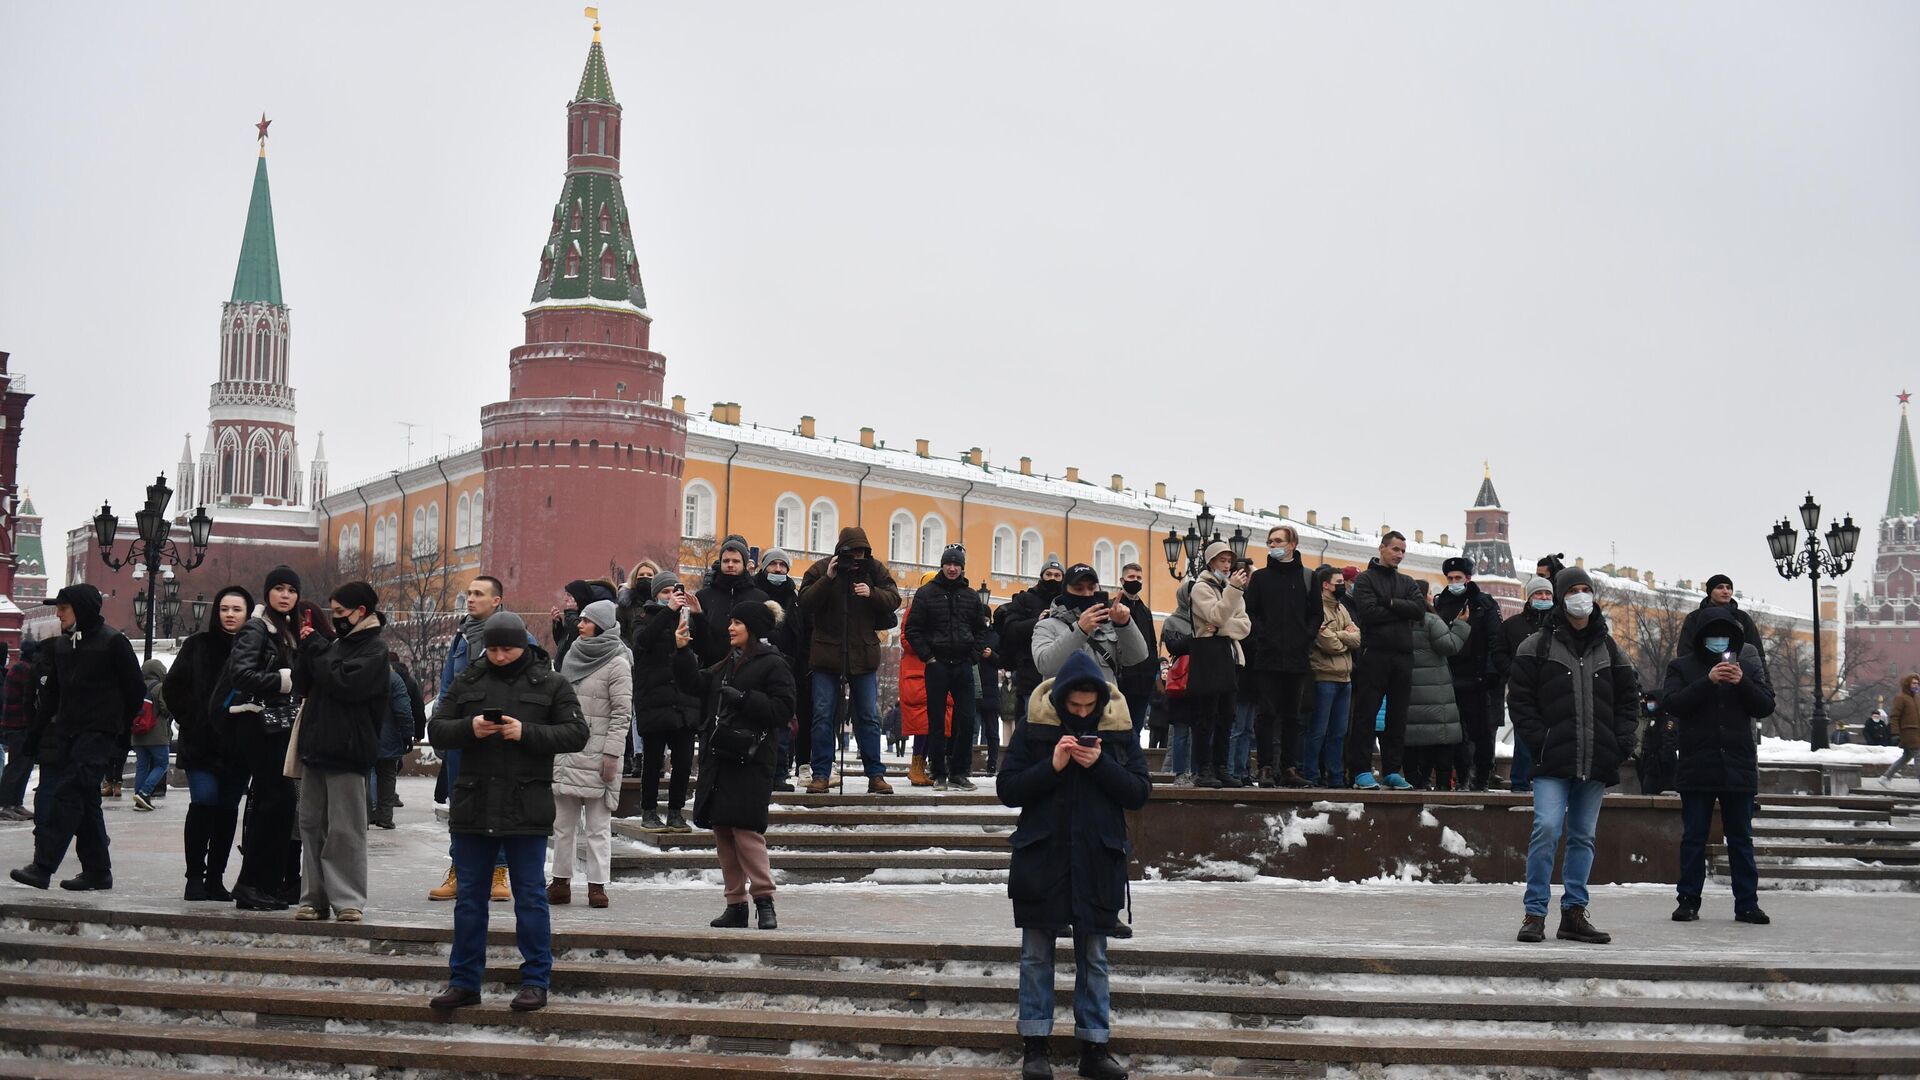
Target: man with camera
(849, 599)
(1084, 619)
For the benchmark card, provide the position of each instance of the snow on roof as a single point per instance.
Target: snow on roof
(959, 469)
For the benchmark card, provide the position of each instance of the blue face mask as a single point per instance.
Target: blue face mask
(1457, 587)
(1541, 605)
(776, 579)
(1718, 645)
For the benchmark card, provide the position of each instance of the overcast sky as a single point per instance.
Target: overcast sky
(1656, 262)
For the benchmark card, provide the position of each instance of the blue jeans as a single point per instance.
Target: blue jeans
(1179, 748)
(865, 719)
(1326, 737)
(525, 858)
(220, 790)
(1736, 823)
(1090, 1014)
(1572, 806)
(1520, 772)
(1246, 711)
(149, 767)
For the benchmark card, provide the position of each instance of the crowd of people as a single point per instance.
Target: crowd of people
(1279, 675)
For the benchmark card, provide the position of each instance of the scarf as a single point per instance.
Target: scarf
(474, 630)
(586, 655)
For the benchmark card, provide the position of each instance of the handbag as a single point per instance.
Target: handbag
(144, 720)
(731, 738)
(1177, 676)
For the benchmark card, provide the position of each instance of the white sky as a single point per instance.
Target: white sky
(1325, 255)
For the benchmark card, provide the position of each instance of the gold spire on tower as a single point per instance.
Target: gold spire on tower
(1486, 470)
(594, 14)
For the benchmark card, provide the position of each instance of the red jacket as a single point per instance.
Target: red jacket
(18, 708)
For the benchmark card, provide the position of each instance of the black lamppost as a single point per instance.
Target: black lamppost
(1831, 560)
(1198, 536)
(200, 605)
(153, 549)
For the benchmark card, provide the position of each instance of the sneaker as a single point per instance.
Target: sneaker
(650, 822)
(783, 785)
(1752, 915)
(1532, 928)
(447, 889)
(1397, 782)
(817, 786)
(940, 784)
(961, 783)
(310, 913)
(1366, 782)
(141, 802)
(677, 824)
(351, 914)
(877, 785)
(88, 882)
(16, 813)
(501, 890)
(1575, 926)
(1184, 779)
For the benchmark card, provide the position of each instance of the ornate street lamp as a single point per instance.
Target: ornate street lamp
(1832, 559)
(153, 551)
(1198, 536)
(200, 607)
(1237, 543)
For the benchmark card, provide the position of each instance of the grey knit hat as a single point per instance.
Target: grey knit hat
(504, 630)
(1538, 584)
(774, 555)
(664, 580)
(602, 614)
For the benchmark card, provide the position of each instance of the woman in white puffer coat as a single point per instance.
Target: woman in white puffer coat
(586, 785)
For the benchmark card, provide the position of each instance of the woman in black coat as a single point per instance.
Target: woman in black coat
(743, 697)
(254, 705)
(1716, 688)
(663, 715)
(216, 772)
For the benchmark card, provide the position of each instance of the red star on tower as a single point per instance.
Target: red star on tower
(1903, 396)
(262, 126)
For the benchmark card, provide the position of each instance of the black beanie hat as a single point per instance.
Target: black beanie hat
(504, 630)
(755, 615)
(955, 555)
(1718, 580)
(282, 575)
(357, 594)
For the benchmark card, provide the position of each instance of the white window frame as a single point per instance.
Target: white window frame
(933, 538)
(1104, 566)
(903, 538)
(823, 526)
(696, 511)
(1004, 546)
(1033, 553)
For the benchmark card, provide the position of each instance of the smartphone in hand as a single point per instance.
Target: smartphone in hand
(492, 715)
(1087, 740)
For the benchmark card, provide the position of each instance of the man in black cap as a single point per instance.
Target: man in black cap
(1720, 595)
(1085, 619)
(90, 689)
(1478, 669)
(946, 626)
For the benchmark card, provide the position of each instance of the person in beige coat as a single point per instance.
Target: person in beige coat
(1325, 742)
(1220, 624)
(586, 784)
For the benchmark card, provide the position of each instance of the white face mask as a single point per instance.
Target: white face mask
(1579, 605)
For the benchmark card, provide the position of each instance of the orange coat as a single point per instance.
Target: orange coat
(913, 689)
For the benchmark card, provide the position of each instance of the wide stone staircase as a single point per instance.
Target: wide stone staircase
(1860, 838)
(132, 995)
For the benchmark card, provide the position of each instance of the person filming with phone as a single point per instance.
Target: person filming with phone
(1084, 619)
(1073, 768)
(508, 716)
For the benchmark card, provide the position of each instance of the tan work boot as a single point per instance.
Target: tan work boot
(917, 772)
(447, 889)
(817, 786)
(878, 786)
(500, 889)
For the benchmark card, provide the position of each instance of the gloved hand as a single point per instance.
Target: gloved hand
(732, 697)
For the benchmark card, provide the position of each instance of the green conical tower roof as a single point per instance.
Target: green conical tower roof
(1903, 494)
(595, 83)
(258, 276)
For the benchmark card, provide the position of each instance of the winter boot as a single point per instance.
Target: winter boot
(917, 772)
(1752, 915)
(197, 889)
(676, 823)
(817, 786)
(447, 889)
(734, 918)
(596, 895)
(1533, 928)
(560, 891)
(1574, 926)
(1228, 780)
(1097, 1064)
(763, 907)
(1034, 1064)
(502, 890)
(1292, 779)
(650, 822)
(878, 786)
(1688, 911)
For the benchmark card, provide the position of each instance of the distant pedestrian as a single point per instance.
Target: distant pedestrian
(947, 625)
(586, 784)
(1322, 750)
(1716, 690)
(1215, 657)
(216, 770)
(848, 598)
(1434, 726)
(665, 715)
(509, 714)
(1388, 607)
(15, 714)
(1531, 619)
(1573, 699)
(1285, 609)
(150, 747)
(1479, 670)
(90, 689)
(485, 597)
(1073, 768)
(395, 739)
(1906, 726)
(254, 706)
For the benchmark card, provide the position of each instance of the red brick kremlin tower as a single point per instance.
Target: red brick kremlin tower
(1881, 627)
(582, 459)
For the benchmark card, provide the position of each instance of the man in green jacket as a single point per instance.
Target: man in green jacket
(508, 716)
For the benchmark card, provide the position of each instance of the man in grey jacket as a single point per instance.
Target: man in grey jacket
(1084, 619)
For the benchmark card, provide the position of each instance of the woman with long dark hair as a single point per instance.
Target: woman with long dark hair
(255, 703)
(216, 773)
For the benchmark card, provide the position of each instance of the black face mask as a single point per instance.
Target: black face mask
(1132, 587)
(1339, 590)
(342, 627)
(1051, 589)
